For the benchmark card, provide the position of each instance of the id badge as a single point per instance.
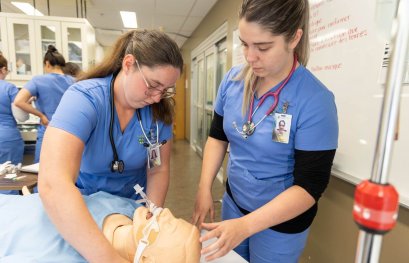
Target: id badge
(154, 156)
(281, 131)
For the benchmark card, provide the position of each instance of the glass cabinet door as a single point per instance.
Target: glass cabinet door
(72, 39)
(47, 33)
(22, 48)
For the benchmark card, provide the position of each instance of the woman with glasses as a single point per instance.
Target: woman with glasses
(109, 133)
(48, 90)
(11, 142)
(273, 185)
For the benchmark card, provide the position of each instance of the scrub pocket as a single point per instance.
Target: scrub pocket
(250, 192)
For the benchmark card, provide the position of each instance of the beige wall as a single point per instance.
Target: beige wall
(333, 236)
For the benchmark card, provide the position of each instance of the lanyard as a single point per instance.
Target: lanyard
(275, 94)
(138, 114)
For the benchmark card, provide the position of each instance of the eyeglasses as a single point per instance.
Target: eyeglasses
(153, 91)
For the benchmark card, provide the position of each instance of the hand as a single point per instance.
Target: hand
(203, 206)
(44, 120)
(229, 234)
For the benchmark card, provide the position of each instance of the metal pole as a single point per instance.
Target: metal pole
(85, 8)
(369, 244)
(48, 7)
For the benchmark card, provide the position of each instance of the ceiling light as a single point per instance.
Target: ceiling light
(27, 9)
(129, 19)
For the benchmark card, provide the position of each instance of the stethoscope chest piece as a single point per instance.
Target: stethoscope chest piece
(117, 166)
(248, 128)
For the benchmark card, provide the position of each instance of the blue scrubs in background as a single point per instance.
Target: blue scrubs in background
(259, 167)
(27, 234)
(85, 112)
(48, 89)
(11, 142)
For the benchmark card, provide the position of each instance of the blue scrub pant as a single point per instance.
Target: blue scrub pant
(267, 246)
(11, 151)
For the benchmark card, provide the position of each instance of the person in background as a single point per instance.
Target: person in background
(106, 128)
(72, 69)
(48, 90)
(273, 187)
(11, 142)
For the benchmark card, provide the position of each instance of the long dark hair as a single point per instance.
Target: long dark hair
(152, 48)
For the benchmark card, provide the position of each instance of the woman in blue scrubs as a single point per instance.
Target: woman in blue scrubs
(274, 182)
(11, 142)
(48, 89)
(111, 131)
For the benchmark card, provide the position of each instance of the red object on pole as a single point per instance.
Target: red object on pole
(375, 207)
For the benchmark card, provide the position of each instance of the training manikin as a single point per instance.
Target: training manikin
(161, 238)
(165, 238)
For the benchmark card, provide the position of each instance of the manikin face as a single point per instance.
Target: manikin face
(269, 55)
(143, 85)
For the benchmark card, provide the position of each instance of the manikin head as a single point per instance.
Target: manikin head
(175, 241)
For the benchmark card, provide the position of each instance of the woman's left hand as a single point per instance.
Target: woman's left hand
(229, 234)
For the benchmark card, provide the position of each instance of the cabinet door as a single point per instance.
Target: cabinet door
(73, 46)
(22, 48)
(47, 33)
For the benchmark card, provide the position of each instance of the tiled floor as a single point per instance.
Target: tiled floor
(185, 173)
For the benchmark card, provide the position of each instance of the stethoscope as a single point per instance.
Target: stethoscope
(249, 127)
(118, 165)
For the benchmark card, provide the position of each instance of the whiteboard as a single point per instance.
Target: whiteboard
(347, 55)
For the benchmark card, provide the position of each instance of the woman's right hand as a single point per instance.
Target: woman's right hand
(44, 120)
(203, 206)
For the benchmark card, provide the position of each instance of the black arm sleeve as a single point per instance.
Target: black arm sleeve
(312, 170)
(216, 129)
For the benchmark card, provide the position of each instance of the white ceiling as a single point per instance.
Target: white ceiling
(178, 18)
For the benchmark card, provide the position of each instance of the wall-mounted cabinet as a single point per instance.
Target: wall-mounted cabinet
(24, 40)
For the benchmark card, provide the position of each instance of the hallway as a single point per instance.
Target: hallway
(184, 179)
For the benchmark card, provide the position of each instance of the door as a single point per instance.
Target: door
(22, 48)
(73, 47)
(47, 33)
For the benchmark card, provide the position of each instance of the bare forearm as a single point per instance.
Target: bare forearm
(76, 225)
(27, 107)
(287, 205)
(213, 156)
(157, 187)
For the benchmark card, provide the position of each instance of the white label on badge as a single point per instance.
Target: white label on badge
(154, 156)
(281, 132)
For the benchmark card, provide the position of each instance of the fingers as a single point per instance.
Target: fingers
(217, 249)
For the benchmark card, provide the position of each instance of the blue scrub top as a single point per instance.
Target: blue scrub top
(36, 239)
(8, 125)
(85, 112)
(259, 168)
(48, 89)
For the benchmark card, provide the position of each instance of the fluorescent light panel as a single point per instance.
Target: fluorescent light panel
(128, 19)
(27, 9)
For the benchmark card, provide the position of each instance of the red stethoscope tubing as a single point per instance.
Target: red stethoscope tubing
(275, 94)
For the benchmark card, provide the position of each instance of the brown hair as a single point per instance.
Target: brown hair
(152, 48)
(54, 57)
(280, 17)
(71, 69)
(3, 62)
